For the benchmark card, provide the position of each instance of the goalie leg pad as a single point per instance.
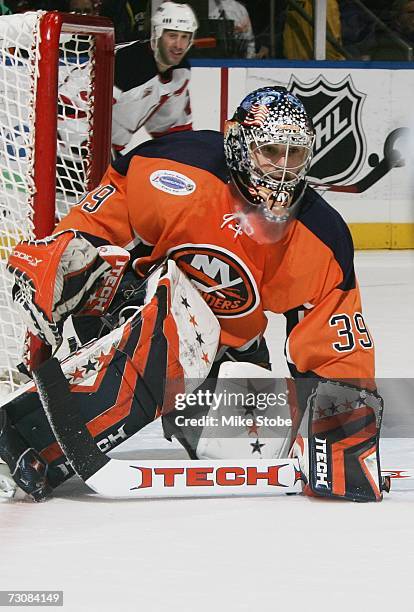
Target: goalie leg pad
(250, 413)
(338, 442)
(244, 413)
(127, 378)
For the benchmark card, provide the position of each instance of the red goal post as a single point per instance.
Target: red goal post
(56, 79)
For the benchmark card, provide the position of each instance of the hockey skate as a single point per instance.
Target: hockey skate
(26, 467)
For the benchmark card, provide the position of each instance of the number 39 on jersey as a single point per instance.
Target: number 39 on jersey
(350, 331)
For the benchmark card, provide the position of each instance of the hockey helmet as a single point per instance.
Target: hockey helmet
(268, 147)
(173, 16)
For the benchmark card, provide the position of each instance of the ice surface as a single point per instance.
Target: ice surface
(236, 554)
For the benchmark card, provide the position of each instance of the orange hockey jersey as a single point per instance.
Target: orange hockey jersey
(172, 194)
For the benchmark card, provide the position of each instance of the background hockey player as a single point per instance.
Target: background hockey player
(241, 223)
(151, 89)
(243, 36)
(152, 79)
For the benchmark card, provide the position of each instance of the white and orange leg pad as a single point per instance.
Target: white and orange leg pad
(338, 442)
(198, 330)
(118, 383)
(249, 415)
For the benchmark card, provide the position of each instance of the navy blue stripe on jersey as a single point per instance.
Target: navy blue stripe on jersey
(328, 225)
(292, 319)
(135, 65)
(200, 149)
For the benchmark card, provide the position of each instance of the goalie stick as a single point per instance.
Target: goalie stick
(136, 479)
(163, 478)
(401, 478)
(392, 159)
(400, 474)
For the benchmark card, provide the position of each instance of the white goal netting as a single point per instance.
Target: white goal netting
(27, 153)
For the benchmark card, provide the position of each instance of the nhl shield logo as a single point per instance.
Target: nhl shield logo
(340, 146)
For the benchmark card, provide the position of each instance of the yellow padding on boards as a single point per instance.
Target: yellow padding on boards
(382, 235)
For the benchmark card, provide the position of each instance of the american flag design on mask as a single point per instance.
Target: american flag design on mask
(256, 115)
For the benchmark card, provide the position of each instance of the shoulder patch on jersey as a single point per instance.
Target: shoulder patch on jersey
(172, 182)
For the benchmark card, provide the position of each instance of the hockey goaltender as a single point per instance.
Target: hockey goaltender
(209, 233)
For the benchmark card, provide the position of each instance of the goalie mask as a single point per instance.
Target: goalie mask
(174, 17)
(268, 148)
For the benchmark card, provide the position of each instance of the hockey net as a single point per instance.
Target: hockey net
(56, 75)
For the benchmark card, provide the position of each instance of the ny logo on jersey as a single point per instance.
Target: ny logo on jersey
(340, 146)
(224, 281)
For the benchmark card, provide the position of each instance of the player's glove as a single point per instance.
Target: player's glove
(54, 278)
(338, 442)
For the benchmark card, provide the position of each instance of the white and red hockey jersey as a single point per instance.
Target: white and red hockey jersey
(145, 97)
(243, 31)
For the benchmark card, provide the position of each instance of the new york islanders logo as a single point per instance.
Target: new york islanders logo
(224, 281)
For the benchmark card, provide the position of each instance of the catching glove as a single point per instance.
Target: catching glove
(56, 276)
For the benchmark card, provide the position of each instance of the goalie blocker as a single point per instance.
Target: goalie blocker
(338, 442)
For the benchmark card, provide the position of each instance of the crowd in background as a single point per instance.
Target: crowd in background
(356, 29)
